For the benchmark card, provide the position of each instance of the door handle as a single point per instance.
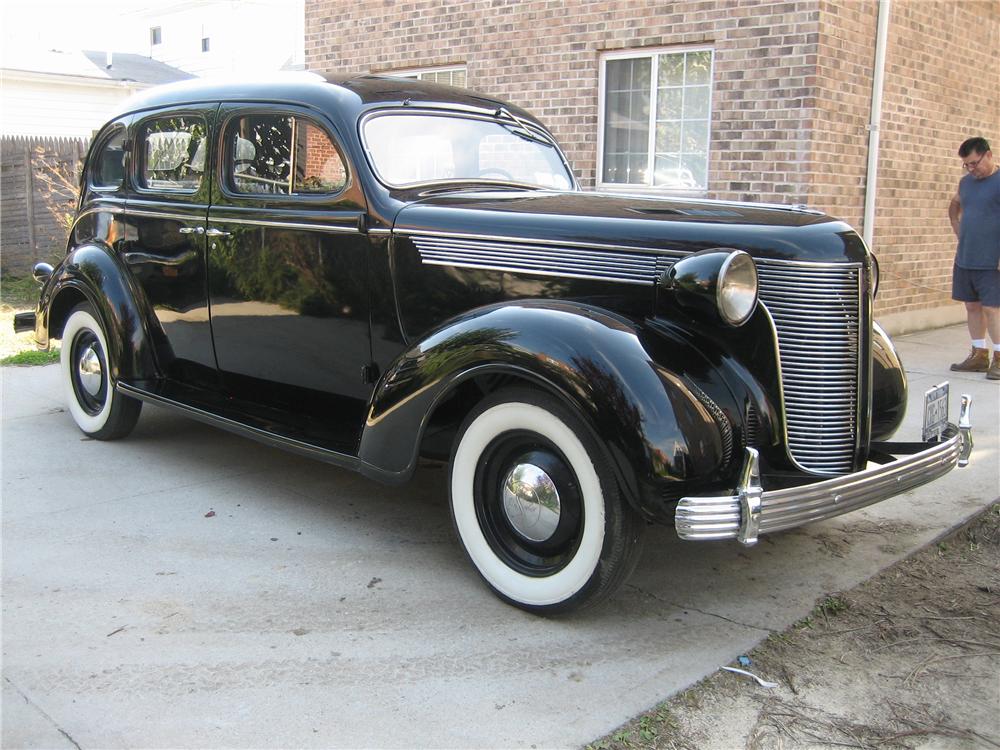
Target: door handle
(192, 230)
(213, 232)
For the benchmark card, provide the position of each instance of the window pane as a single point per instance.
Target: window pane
(669, 103)
(110, 170)
(318, 166)
(626, 121)
(260, 154)
(173, 151)
(696, 103)
(699, 67)
(695, 137)
(697, 166)
(668, 136)
(458, 78)
(672, 69)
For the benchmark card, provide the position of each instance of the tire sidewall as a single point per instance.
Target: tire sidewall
(569, 583)
(80, 320)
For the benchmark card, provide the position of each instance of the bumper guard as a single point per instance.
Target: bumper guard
(752, 510)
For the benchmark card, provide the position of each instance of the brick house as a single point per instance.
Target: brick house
(732, 99)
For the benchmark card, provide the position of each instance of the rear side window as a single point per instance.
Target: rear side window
(172, 151)
(108, 169)
(282, 155)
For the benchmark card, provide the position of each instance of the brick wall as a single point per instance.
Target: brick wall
(791, 100)
(38, 191)
(544, 55)
(941, 87)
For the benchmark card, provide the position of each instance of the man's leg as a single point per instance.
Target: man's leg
(979, 359)
(976, 320)
(991, 316)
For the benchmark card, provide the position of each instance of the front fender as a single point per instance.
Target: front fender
(888, 386)
(93, 273)
(655, 425)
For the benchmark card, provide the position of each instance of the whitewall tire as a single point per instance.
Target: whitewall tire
(537, 506)
(98, 410)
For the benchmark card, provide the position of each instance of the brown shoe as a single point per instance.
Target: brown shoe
(977, 361)
(994, 372)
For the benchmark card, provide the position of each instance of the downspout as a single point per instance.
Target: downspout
(875, 125)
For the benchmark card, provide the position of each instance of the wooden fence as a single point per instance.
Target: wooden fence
(39, 183)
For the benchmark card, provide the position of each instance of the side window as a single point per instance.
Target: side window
(282, 155)
(108, 168)
(173, 153)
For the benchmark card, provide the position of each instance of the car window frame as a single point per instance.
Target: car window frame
(114, 128)
(233, 111)
(206, 115)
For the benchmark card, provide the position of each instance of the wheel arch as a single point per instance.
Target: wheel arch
(91, 273)
(591, 360)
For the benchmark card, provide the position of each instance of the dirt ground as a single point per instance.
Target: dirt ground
(909, 659)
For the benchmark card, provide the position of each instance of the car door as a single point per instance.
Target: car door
(288, 273)
(164, 243)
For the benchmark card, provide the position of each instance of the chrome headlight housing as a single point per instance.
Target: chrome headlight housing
(736, 289)
(720, 282)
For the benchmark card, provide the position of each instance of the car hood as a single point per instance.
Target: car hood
(670, 225)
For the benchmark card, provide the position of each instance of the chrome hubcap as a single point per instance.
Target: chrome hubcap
(90, 373)
(531, 502)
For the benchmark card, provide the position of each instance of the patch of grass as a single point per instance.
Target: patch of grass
(18, 291)
(30, 358)
(833, 605)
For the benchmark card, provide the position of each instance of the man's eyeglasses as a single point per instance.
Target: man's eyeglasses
(973, 164)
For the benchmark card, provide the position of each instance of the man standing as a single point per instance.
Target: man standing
(975, 219)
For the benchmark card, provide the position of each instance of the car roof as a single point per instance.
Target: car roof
(343, 97)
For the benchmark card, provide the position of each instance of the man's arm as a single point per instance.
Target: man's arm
(955, 213)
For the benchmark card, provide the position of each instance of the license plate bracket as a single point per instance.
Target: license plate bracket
(935, 412)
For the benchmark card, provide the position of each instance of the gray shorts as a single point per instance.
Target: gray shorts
(976, 285)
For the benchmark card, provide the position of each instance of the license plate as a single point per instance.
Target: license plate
(935, 412)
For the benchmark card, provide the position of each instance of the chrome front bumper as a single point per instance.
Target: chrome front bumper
(753, 510)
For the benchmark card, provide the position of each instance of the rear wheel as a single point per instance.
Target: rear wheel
(97, 408)
(537, 506)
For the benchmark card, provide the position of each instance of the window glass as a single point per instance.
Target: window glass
(668, 95)
(410, 149)
(448, 76)
(283, 155)
(173, 153)
(109, 165)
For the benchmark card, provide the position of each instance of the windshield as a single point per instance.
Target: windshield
(412, 149)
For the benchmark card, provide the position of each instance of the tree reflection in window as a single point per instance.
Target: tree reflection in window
(283, 155)
(173, 153)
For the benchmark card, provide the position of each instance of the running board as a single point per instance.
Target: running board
(258, 434)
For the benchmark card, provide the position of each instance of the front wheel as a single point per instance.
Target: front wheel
(97, 408)
(537, 507)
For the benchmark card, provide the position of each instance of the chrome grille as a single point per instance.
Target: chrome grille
(816, 310)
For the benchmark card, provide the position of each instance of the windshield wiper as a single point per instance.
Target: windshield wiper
(521, 129)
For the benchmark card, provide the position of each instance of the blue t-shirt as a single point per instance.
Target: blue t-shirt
(979, 230)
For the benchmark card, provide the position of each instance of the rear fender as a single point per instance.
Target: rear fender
(94, 274)
(651, 422)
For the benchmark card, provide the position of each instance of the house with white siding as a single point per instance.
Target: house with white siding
(70, 93)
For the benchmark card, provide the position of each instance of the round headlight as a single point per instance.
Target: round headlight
(736, 289)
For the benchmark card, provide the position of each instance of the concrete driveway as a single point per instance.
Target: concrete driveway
(188, 588)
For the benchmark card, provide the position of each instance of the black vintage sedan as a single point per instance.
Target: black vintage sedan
(374, 270)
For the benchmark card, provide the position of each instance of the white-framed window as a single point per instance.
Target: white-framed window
(453, 75)
(654, 120)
